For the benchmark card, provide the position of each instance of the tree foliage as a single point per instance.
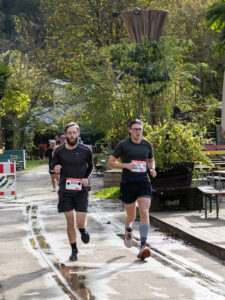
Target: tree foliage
(108, 81)
(4, 75)
(14, 102)
(216, 20)
(28, 96)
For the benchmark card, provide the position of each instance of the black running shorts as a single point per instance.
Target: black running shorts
(77, 200)
(131, 191)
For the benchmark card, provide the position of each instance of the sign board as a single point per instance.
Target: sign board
(7, 179)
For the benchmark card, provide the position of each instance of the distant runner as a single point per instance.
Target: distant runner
(137, 156)
(48, 154)
(75, 164)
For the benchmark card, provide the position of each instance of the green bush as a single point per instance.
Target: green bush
(174, 142)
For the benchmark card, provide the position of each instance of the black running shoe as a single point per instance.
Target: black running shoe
(85, 237)
(74, 255)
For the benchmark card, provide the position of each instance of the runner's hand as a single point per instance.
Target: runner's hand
(57, 169)
(130, 166)
(85, 182)
(153, 172)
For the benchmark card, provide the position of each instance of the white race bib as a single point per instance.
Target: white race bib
(140, 166)
(74, 184)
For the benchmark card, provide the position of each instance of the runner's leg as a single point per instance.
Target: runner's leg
(130, 217)
(70, 226)
(144, 206)
(81, 218)
(53, 180)
(130, 213)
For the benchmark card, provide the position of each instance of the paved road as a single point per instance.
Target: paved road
(34, 254)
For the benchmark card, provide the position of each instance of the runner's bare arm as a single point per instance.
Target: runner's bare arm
(115, 164)
(151, 165)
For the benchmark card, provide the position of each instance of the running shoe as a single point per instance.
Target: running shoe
(74, 255)
(54, 190)
(85, 237)
(128, 237)
(144, 253)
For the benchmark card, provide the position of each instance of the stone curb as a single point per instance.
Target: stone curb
(195, 241)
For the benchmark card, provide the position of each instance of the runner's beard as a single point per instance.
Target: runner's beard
(72, 143)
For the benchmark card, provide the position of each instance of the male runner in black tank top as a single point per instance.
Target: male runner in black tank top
(136, 155)
(74, 163)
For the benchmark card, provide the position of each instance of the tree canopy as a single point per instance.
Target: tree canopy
(84, 67)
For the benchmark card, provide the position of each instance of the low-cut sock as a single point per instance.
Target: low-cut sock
(144, 229)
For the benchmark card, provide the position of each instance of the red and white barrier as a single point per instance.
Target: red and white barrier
(7, 179)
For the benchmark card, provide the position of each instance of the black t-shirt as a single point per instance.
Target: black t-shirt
(48, 154)
(136, 153)
(76, 163)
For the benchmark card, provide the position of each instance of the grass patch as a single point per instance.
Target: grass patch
(34, 163)
(110, 192)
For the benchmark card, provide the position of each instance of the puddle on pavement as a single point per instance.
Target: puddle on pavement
(71, 273)
(75, 280)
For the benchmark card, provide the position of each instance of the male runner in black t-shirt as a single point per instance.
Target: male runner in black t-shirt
(74, 163)
(136, 155)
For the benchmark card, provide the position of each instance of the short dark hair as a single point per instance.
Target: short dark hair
(136, 121)
(71, 124)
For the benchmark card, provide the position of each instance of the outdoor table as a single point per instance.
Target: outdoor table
(219, 172)
(202, 167)
(220, 164)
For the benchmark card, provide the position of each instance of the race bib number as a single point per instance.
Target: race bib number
(74, 184)
(140, 166)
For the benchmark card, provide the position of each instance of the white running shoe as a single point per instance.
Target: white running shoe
(128, 237)
(54, 190)
(144, 253)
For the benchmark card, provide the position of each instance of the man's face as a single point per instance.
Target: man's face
(52, 145)
(136, 131)
(72, 135)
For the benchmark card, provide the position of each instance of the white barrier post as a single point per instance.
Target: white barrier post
(8, 180)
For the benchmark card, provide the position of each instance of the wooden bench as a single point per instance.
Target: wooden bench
(214, 150)
(216, 181)
(112, 178)
(211, 194)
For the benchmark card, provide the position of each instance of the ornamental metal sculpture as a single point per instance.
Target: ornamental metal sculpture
(143, 23)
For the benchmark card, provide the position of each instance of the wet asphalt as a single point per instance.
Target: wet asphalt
(34, 253)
